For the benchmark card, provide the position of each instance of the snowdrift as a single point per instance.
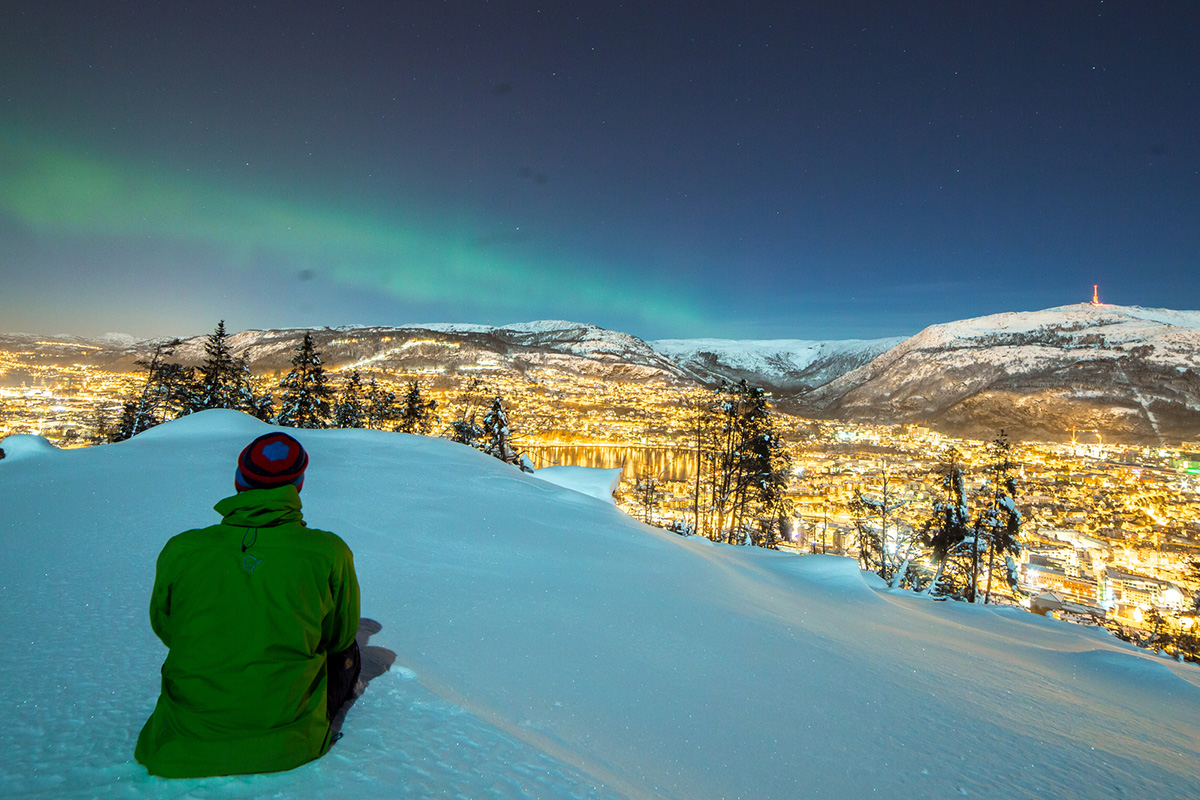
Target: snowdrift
(548, 646)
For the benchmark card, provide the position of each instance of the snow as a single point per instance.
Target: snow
(116, 339)
(771, 358)
(1118, 323)
(593, 482)
(24, 445)
(537, 326)
(548, 646)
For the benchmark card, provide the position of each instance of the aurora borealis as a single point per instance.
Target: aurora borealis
(769, 170)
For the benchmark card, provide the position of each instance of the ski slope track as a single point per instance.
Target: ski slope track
(548, 646)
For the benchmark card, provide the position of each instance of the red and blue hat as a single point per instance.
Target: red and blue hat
(271, 460)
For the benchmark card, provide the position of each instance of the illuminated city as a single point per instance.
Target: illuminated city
(704, 400)
(1111, 530)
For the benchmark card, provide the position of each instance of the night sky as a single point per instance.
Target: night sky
(747, 170)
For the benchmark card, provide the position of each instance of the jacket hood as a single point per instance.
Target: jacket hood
(262, 508)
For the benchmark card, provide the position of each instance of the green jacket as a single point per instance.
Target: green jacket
(248, 609)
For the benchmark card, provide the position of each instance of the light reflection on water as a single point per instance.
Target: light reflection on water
(664, 463)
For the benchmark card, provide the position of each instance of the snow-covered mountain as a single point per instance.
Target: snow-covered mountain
(1133, 374)
(1130, 374)
(545, 645)
(782, 365)
(525, 348)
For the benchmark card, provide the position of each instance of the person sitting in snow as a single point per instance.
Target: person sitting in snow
(259, 615)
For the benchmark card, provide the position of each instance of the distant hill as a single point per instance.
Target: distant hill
(785, 366)
(527, 349)
(1121, 373)
(1131, 374)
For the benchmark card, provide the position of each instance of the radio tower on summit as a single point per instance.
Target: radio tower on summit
(1095, 294)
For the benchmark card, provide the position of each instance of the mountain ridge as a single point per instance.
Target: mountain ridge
(1123, 373)
(1127, 372)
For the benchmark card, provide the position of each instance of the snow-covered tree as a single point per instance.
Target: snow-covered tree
(168, 392)
(1000, 522)
(351, 410)
(224, 380)
(744, 467)
(950, 525)
(380, 406)
(886, 545)
(416, 411)
(465, 429)
(306, 391)
(496, 438)
(964, 547)
(466, 432)
(219, 383)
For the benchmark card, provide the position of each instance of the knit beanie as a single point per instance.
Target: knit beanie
(271, 460)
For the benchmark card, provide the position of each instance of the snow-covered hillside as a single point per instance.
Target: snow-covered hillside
(786, 364)
(1129, 373)
(548, 646)
(546, 345)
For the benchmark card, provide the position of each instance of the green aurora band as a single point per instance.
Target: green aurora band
(53, 190)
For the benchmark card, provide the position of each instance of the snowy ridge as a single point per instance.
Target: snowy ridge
(781, 363)
(550, 344)
(548, 646)
(1127, 372)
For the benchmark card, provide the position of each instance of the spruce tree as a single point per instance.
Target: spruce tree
(949, 526)
(1000, 522)
(466, 432)
(219, 384)
(416, 412)
(380, 406)
(306, 392)
(496, 439)
(964, 548)
(350, 410)
(168, 393)
(744, 463)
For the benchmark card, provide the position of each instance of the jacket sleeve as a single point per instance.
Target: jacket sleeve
(345, 604)
(160, 600)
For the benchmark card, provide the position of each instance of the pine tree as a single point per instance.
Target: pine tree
(1000, 522)
(167, 393)
(260, 406)
(648, 495)
(380, 406)
(306, 392)
(351, 410)
(466, 432)
(416, 413)
(219, 384)
(496, 439)
(949, 527)
(746, 466)
(962, 547)
(889, 549)
(223, 381)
